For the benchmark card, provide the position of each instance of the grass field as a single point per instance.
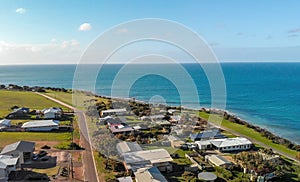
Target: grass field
(79, 97)
(11, 137)
(251, 134)
(49, 172)
(31, 100)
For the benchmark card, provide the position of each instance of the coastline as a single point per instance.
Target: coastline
(227, 115)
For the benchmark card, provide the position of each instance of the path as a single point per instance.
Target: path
(88, 161)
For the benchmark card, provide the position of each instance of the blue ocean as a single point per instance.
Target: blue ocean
(264, 94)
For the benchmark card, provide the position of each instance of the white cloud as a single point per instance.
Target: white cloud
(21, 10)
(85, 27)
(54, 52)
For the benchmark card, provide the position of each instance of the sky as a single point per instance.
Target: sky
(58, 32)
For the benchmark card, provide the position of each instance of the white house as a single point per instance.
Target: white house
(151, 174)
(5, 123)
(159, 158)
(7, 164)
(204, 144)
(41, 125)
(52, 113)
(110, 112)
(22, 149)
(231, 144)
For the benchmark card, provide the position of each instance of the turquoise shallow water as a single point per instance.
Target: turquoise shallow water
(266, 94)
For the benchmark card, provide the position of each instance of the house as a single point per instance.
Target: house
(157, 117)
(52, 113)
(218, 160)
(105, 118)
(231, 144)
(145, 118)
(18, 113)
(204, 144)
(41, 125)
(151, 174)
(115, 129)
(111, 112)
(173, 111)
(174, 119)
(24, 109)
(125, 179)
(5, 123)
(7, 164)
(113, 121)
(175, 142)
(124, 147)
(206, 135)
(159, 158)
(22, 149)
(164, 123)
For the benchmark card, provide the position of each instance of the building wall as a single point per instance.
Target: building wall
(164, 167)
(46, 128)
(235, 148)
(2, 173)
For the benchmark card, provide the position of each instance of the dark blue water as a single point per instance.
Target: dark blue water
(266, 94)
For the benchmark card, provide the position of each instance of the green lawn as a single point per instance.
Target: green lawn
(50, 172)
(65, 97)
(250, 133)
(11, 137)
(23, 99)
(79, 97)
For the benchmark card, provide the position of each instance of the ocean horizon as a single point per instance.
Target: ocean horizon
(263, 94)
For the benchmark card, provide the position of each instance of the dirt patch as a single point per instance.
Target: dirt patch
(39, 144)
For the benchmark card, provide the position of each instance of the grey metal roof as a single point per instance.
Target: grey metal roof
(155, 156)
(39, 123)
(6, 160)
(5, 122)
(207, 134)
(22, 146)
(149, 175)
(125, 179)
(114, 110)
(228, 142)
(218, 160)
(117, 129)
(124, 147)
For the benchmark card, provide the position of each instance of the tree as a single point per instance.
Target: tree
(2, 86)
(188, 176)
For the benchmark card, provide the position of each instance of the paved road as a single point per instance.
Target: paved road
(89, 167)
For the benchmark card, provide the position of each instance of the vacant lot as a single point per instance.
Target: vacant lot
(9, 99)
(33, 101)
(11, 137)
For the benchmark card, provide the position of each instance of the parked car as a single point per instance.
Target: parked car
(192, 146)
(42, 153)
(35, 157)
